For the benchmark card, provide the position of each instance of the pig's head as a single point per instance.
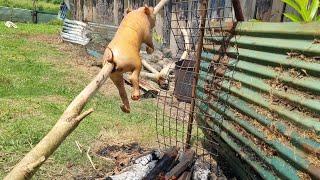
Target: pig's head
(151, 17)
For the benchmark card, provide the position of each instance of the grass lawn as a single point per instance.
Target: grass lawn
(42, 5)
(39, 76)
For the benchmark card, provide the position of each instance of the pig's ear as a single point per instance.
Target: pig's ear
(147, 10)
(128, 10)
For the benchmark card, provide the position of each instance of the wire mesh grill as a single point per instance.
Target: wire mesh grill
(195, 25)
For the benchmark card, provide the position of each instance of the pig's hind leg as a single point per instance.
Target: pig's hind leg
(107, 56)
(118, 80)
(134, 78)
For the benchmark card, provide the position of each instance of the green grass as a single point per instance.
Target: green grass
(47, 6)
(37, 82)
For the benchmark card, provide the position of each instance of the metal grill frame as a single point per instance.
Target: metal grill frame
(177, 122)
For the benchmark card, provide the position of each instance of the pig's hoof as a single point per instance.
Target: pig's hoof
(135, 97)
(125, 109)
(149, 50)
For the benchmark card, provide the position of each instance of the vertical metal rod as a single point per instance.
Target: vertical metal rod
(203, 14)
(238, 10)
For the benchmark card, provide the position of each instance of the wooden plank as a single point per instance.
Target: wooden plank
(116, 12)
(87, 10)
(263, 12)
(277, 11)
(248, 9)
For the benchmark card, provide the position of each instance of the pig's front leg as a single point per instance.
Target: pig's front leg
(117, 79)
(134, 78)
(149, 43)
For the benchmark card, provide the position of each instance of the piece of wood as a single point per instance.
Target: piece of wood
(186, 175)
(135, 171)
(185, 162)
(116, 12)
(159, 6)
(248, 9)
(203, 15)
(140, 168)
(238, 10)
(69, 120)
(201, 170)
(149, 67)
(151, 76)
(150, 91)
(163, 165)
(263, 12)
(277, 11)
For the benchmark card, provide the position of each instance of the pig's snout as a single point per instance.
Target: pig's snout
(135, 97)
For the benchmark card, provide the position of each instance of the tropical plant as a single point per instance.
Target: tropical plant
(307, 10)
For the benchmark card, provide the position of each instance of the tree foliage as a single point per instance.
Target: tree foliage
(306, 9)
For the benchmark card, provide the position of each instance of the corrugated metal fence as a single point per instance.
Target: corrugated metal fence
(266, 105)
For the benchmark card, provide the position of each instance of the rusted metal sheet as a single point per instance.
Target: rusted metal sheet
(74, 32)
(265, 100)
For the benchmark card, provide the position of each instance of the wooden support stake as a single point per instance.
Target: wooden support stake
(69, 120)
(203, 14)
(238, 10)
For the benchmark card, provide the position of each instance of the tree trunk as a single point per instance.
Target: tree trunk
(65, 125)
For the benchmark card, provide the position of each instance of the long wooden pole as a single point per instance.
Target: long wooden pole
(69, 120)
(203, 14)
(238, 10)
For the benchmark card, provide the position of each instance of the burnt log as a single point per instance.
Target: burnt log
(201, 170)
(187, 175)
(164, 164)
(185, 162)
(141, 167)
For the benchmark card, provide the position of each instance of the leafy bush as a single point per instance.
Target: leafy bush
(307, 10)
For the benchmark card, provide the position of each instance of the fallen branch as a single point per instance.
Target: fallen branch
(89, 157)
(145, 86)
(149, 67)
(78, 145)
(69, 120)
(159, 77)
(186, 53)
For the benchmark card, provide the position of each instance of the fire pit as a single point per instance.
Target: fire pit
(169, 164)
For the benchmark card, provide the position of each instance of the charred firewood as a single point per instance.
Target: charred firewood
(163, 165)
(141, 167)
(186, 162)
(201, 170)
(186, 175)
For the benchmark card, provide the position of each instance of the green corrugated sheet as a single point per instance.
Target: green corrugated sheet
(265, 105)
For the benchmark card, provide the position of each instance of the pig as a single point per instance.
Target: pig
(123, 50)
